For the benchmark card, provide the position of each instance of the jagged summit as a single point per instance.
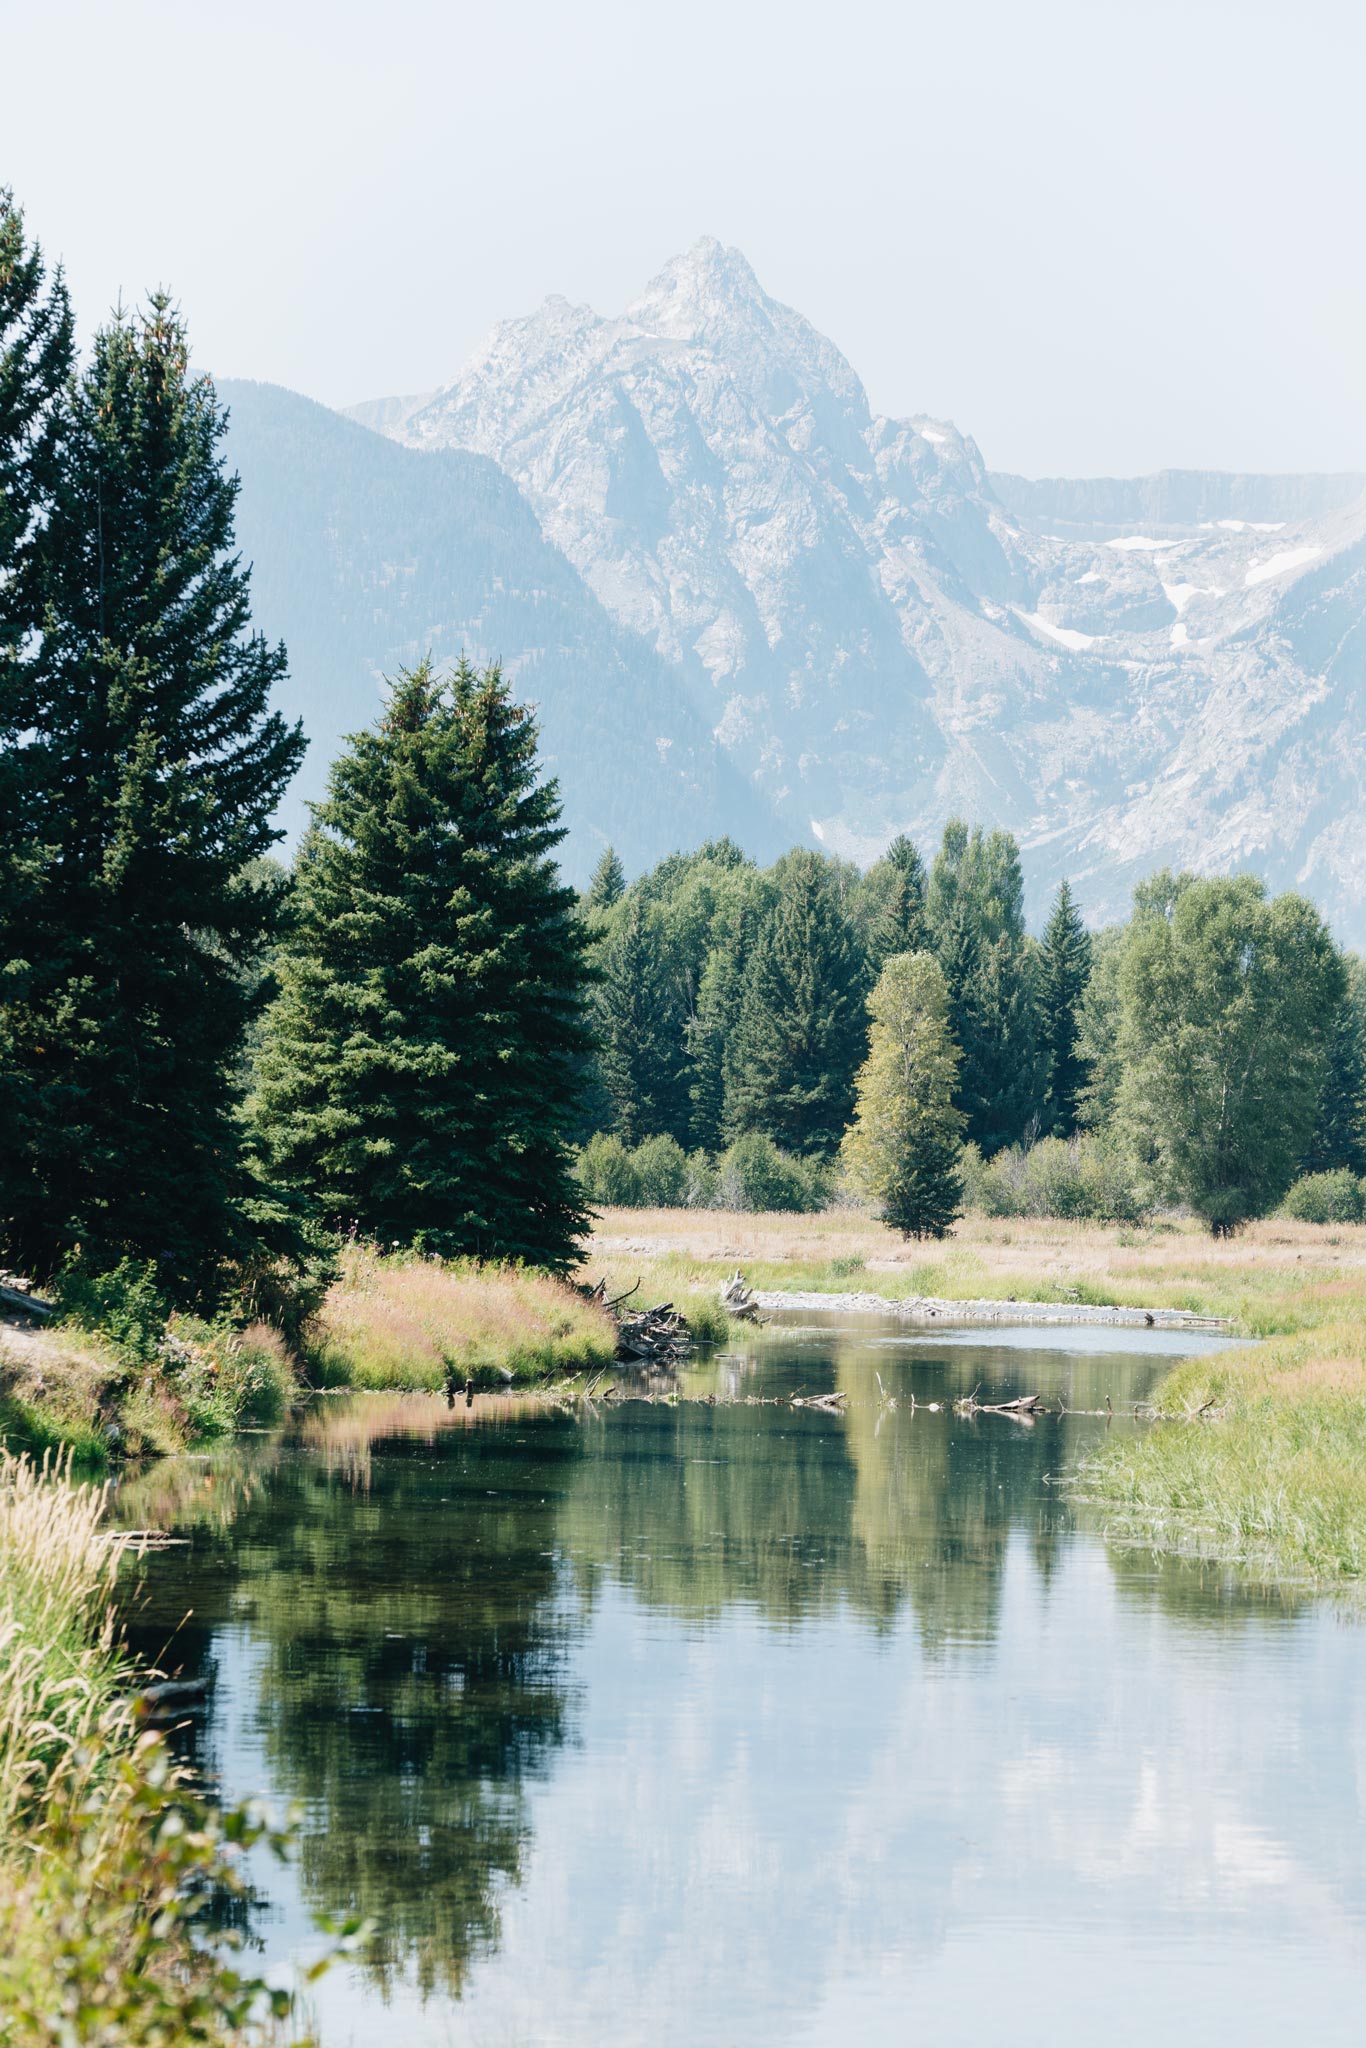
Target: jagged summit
(878, 637)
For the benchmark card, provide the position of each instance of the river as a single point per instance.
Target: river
(725, 1723)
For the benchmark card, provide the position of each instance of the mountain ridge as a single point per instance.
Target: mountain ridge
(880, 631)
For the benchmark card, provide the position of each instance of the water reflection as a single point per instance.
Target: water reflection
(734, 1722)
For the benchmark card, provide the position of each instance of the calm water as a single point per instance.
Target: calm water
(733, 1725)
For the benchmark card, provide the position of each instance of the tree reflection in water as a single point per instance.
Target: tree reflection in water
(414, 1581)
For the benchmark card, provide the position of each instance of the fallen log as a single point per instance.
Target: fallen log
(169, 1698)
(1024, 1408)
(19, 1300)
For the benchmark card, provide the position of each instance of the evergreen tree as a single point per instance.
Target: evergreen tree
(711, 1037)
(904, 1147)
(800, 1034)
(147, 769)
(975, 911)
(1229, 1005)
(901, 925)
(418, 1068)
(639, 1031)
(1065, 969)
(35, 360)
(608, 884)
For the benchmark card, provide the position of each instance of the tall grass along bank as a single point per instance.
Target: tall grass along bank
(1258, 1458)
(105, 1858)
(405, 1321)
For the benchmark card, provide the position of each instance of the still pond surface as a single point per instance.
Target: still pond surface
(742, 1725)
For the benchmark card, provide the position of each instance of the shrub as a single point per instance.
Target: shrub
(1337, 1197)
(608, 1173)
(754, 1174)
(700, 1192)
(1066, 1178)
(661, 1167)
(124, 1306)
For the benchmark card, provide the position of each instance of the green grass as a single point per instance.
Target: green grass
(1259, 1460)
(70, 1388)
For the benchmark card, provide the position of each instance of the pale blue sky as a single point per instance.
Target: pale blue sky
(1101, 238)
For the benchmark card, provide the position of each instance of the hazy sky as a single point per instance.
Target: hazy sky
(1101, 238)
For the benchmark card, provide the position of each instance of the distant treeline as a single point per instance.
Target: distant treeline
(1211, 1047)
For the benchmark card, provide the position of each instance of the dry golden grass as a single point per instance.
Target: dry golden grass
(409, 1322)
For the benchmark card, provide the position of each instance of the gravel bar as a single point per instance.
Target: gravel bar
(922, 1308)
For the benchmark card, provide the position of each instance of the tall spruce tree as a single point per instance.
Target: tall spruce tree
(904, 1147)
(608, 883)
(1064, 970)
(712, 1033)
(148, 768)
(418, 1068)
(901, 925)
(639, 1030)
(975, 910)
(800, 1032)
(35, 362)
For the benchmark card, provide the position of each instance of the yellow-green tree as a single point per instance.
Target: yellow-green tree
(904, 1146)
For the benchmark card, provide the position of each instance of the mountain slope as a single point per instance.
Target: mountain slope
(366, 555)
(880, 634)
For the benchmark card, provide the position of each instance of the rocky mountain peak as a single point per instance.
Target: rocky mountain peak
(877, 636)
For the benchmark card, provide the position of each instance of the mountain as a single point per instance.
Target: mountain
(880, 632)
(366, 555)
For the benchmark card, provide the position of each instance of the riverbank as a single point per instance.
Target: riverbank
(166, 1384)
(1260, 1460)
(402, 1322)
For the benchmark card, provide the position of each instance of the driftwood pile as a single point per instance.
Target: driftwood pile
(646, 1336)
